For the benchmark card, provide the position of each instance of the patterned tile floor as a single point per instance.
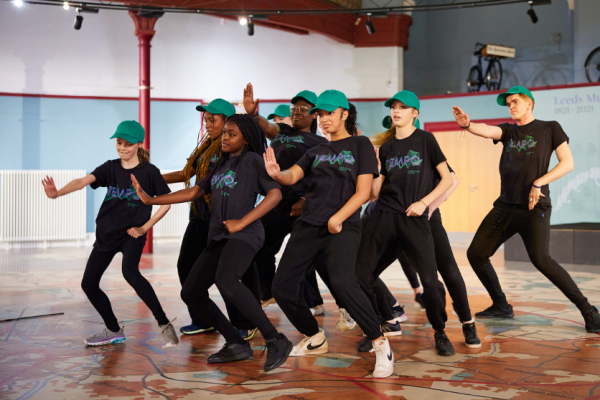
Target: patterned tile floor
(543, 353)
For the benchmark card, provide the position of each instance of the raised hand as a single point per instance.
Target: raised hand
(136, 232)
(250, 105)
(461, 117)
(50, 187)
(140, 192)
(271, 163)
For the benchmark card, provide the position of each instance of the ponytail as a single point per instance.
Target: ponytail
(383, 137)
(350, 123)
(143, 156)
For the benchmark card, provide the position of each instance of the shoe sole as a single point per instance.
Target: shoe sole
(197, 332)
(321, 350)
(250, 336)
(289, 349)
(387, 334)
(171, 344)
(472, 346)
(592, 330)
(440, 353)
(344, 327)
(508, 316)
(385, 374)
(241, 357)
(111, 341)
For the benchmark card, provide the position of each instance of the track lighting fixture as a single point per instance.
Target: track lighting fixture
(250, 27)
(532, 15)
(369, 25)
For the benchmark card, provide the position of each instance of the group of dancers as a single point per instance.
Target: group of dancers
(313, 188)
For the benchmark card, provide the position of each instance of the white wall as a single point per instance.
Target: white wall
(193, 56)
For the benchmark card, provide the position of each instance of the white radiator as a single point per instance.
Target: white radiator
(174, 223)
(27, 215)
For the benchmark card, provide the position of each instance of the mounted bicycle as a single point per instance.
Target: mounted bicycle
(592, 66)
(493, 74)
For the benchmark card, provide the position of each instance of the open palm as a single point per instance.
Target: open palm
(271, 163)
(50, 187)
(250, 105)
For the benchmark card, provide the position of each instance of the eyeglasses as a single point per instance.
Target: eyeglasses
(301, 109)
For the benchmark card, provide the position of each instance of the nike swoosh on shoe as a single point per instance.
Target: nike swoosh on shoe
(311, 347)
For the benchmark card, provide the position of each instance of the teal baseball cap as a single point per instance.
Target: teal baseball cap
(307, 95)
(330, 100)
(218, 106)
(131, 131)
(501, 99)
(408, 98)
(281, 110)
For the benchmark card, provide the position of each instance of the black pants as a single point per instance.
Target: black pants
(386, 229)
(409, 270)
(305, 245)
(193, 244)
(534, 227)
(224, 263)
(312, 295)
(99, 262)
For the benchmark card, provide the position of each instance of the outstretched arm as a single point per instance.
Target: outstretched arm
(269, 202)
(158, 215)
(174, 177)
(287, 177)
(181, 196)
(483, 130)
(251, 107)
(75, 184)
(363, 188)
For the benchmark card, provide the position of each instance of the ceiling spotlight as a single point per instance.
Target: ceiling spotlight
(78, 21)
(532, 16)
(66, 5)
(243, 20)
(18, 3)
(369, 25)
(250, 27)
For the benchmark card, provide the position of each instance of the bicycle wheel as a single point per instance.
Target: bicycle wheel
(592, 66)
(493, 77)
(474, 79)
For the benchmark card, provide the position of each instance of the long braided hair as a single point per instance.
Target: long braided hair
(206, 149)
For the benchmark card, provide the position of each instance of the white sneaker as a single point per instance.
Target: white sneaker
(345, 322)
(168, 335)
(316, 344)
(384, 359)
(318, 310)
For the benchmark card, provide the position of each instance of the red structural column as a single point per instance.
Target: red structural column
(144, 30)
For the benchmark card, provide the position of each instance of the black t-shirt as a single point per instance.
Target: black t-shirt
(334, 168)
(233, 195)
(202, 209)
(526, 157)
(122, 209)
(289, 146)
(409, 166)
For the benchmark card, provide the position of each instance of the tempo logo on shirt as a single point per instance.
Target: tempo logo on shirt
(345, 156)
(526, 144)
(287, 139)
(227, 179)
(412, 159)
(121, 194)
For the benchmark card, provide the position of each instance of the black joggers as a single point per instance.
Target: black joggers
(305, 245)
(98, 263)
(534, 227)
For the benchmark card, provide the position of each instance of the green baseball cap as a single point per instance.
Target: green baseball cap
(218, 106)
(281, 110)
(131, 131)
(501, 99)
(307, 95)
(331, 100)
(408, 98)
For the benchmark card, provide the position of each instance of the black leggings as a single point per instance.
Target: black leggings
(98, 263)
(534, 227)
(384, 230)
(223, 263)
(193, 244)
(305, 245)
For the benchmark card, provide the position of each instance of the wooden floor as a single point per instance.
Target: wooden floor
(543, 353)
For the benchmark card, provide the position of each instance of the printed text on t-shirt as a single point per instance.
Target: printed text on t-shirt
(412, 159)
(227, 179)
(116, 193)
(345, 156)
(525, 144)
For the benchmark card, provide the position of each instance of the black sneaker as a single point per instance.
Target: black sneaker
(399, 314)
(471, 339)
(391, 329)
(442, 344)
(495, 311)
(592, 320)
(419, 299)
(365, 345)
(278, 350)
(231, 352)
